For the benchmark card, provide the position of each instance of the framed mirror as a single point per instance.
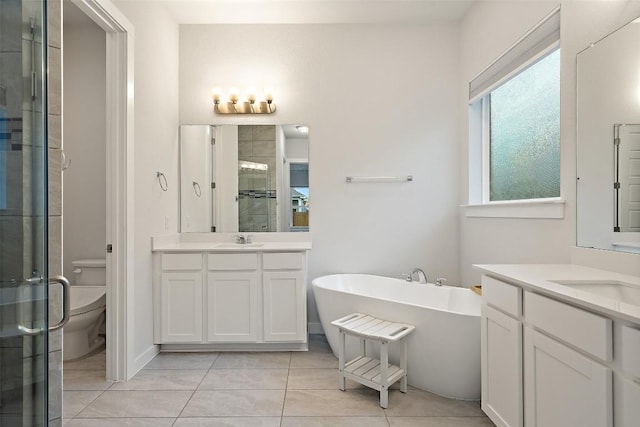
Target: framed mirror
(244, 178)
(608, 145)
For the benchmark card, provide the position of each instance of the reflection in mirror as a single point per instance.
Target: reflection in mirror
(256, 178)
(299, 196)
(608, 161)
(627, 177)
(196, 162)
(256, 198)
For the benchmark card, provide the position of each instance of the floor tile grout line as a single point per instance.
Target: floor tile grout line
(311, 363)
(88, 404)
(196, 389)
(286, 389)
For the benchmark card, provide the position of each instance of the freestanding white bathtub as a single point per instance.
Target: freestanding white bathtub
(444, 350)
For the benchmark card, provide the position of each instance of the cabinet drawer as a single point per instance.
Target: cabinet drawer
(501, 295)
(181, 262)
(587, 331)
(283, 261)
(631, 350)
(232, 261)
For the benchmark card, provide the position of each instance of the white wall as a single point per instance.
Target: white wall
(84, 195)
(379, 100)
(297, 148)
(487, 30)
(155, 149)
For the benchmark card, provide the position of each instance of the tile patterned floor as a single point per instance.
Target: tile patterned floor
(285, 389)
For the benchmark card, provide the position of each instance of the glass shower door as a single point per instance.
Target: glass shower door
(23, 215)
(254, 197)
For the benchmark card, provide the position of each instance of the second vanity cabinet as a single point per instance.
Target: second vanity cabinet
(548, 363)
(231, 300)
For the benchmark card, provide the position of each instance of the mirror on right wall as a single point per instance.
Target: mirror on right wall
(608, 142)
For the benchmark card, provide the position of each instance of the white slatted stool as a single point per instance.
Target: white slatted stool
(374, 373)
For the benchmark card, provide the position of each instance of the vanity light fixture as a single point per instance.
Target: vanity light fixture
(248, 105)
(303, 129)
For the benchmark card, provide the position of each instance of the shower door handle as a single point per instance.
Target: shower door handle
(66, 306)
(66, 301)
(25, 330)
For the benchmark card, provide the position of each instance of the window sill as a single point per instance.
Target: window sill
(544, 209)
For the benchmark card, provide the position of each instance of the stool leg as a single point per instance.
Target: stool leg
(384, 363)
(403, 365)
(341, 381)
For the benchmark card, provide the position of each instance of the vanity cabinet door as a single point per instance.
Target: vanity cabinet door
(232, 306)
(284, 306)
(629, 412)
(501, 358)
(562, 387)
(181, 317)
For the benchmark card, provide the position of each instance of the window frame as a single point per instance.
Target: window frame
(479, 203)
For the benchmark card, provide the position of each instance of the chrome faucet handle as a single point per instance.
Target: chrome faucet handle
(240, 239)
(441, 281)
(407, 277)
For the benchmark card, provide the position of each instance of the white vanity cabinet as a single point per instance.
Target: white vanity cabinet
(501, 353)
(232, 297)
(548, 363)
(235, 300)
(284, 295)
(627, 384)
(181, 298)
(564, 386)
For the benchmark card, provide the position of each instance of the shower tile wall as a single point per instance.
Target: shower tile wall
(257, 143)
(54, 46)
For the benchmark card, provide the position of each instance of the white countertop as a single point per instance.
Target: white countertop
(225, 242)
(230, 247)
(541, 277)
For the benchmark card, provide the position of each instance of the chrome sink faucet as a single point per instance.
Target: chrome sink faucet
(422, 277)
(241, 239)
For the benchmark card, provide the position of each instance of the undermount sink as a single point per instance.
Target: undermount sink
(611, 289)
(238, 245)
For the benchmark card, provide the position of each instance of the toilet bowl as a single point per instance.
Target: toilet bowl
(88, 306)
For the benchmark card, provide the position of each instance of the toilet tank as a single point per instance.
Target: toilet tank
(89, 272)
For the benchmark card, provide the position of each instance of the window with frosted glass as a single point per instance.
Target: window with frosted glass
(525, 134)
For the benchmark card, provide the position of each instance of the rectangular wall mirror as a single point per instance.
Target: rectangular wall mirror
(244, 178)
(608, 151)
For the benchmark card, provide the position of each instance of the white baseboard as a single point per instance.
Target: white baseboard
(141, 360)
(315, 328)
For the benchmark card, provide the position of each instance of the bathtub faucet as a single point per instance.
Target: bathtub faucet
(422, 278)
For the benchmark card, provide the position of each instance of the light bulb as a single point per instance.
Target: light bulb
(251, 95)
(268, 94)
(215, 94)
(233, 94)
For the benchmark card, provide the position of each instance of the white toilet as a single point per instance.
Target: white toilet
(88, 304)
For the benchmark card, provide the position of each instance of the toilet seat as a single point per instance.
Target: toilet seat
(86, 298)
